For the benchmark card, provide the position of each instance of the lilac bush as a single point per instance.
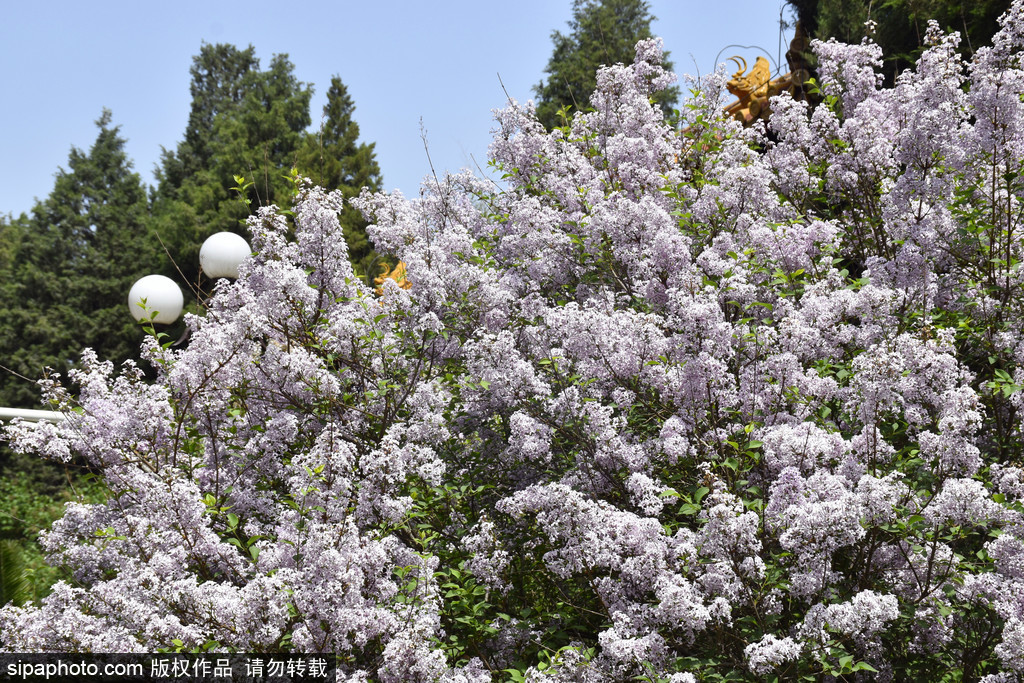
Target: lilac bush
(678, 402)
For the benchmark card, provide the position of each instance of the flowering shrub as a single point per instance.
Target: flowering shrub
(678, 403)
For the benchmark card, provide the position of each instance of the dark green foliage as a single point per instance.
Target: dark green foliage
(34, 493)
(245, 122)
(12, 234)
(218, 88)
(334, 159)
(602, 32)
(67, 268)
(13, 585)
(65, 272)
(901, 24)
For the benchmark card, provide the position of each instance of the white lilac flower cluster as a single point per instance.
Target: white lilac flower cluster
(680, 400)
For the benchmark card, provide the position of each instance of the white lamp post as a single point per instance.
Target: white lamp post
(155, 298)
(220, 256)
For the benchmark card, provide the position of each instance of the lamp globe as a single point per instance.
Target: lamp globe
(222, 253)
(156, 294)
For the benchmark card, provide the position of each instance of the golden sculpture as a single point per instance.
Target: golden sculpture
(754, 84)
(752, 90)
(397, 274)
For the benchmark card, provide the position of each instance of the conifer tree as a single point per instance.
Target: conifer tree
(602, 32)
(217, 88)
(244, 122)
(69, 266)
(12, 233)
(334, 159)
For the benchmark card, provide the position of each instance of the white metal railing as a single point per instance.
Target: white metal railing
(31, 415)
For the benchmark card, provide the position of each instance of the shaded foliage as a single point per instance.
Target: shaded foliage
(901, 24)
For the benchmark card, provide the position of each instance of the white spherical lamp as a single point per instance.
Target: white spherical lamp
(156, 294)
(221, 254)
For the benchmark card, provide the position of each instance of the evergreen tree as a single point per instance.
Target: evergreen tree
(12, 312)
(244, 122)
(602, 32)
(217, 88)
(68, 268)
(333, 158)
(901, 24)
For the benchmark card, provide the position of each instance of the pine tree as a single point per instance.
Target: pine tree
(14, 391)
(70, 265)
(244, 122)
(602, 32)
(217, 88)
(333, 158)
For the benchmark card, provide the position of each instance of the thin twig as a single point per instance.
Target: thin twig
(426, 150)
(195, 290)
(16, 374)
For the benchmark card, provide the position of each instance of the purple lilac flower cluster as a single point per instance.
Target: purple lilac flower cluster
(680, 400)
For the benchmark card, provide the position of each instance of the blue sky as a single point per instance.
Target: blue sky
(62, 62)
